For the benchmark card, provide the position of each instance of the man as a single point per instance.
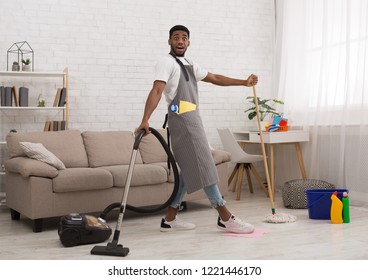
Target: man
(177, 78)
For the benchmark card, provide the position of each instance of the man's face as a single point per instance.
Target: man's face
(179, 42)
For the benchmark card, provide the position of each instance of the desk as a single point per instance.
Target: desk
(272, 138)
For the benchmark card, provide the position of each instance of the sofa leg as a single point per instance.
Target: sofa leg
(37, 225)
(15, 215)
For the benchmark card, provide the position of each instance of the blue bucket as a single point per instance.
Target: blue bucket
(319, 202)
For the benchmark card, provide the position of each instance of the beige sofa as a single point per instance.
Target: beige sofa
(96, 169)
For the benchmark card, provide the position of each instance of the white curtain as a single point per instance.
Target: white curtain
(321, 72)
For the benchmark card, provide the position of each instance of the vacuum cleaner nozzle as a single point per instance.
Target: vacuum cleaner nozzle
(111, 249)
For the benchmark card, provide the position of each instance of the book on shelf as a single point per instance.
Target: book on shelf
(8, 96)
(54, 126)
(2, 95)
(62, 99)
(15, 96)
(58, 100)
(47, 126)
(61, 125)
(23, 97)
(57, 97)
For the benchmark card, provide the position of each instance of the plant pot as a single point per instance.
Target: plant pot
(255, 127)
(15, 67)
(263, 125)
(26, 68)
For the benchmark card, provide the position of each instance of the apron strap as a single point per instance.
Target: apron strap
(168, 140)
(165, 121)
(181, 66)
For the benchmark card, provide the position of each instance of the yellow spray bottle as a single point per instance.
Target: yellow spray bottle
(336, 209)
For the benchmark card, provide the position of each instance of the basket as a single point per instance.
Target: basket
(294, 191)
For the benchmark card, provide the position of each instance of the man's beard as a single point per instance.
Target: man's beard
(178, 55)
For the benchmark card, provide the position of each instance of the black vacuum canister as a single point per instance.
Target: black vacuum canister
(76, 229)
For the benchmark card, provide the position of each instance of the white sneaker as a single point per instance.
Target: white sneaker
(234, 225)
(175, 225)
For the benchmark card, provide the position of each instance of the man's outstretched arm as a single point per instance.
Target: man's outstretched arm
(221, 80)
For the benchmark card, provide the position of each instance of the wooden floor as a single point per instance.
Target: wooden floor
(305, 239)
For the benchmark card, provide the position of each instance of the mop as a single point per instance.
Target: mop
(274, 217)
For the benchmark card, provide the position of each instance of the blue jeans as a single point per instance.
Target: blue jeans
(212, 192)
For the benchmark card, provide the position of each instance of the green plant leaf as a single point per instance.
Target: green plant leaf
(26, 61)
(278, 101)
(252, 115)
(263, 107)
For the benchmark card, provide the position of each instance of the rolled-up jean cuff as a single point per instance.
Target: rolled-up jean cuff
(212, 192)
(214, 196)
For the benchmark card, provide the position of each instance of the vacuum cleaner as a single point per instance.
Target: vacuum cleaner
(113, 248)
(76, 229)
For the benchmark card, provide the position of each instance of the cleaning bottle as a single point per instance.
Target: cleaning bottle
(345, 207)
(336, 209)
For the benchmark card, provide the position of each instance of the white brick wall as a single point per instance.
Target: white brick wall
(111, 47)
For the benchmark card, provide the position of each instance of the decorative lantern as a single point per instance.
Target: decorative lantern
(20, 49)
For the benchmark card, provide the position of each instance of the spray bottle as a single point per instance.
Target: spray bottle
(346, 207)
(336, 209)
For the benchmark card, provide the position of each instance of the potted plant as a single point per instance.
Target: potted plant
(41, 101)
(15, 66)
(265, 109)
(26, 64)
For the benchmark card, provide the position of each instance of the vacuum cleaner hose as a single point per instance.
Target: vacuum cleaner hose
(172, 161)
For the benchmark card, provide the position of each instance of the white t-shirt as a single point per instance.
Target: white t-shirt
(168, 71)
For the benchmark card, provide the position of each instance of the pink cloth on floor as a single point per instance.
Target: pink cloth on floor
(256, 233)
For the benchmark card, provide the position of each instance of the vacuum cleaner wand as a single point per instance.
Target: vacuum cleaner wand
(113, 248)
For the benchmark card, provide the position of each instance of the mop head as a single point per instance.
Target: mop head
(280, 218)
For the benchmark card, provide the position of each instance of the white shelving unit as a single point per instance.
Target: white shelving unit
(1, 144)
(2, 172)
(14, 112)
(39, 75)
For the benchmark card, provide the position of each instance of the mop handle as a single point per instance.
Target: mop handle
(263, 151)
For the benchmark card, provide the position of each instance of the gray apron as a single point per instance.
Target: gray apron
(188, 139)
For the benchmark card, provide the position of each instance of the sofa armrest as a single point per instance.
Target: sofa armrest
(30, 167)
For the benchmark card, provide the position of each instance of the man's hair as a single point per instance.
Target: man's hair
(178, 27)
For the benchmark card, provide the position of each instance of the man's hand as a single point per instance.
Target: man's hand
(251, 81)
(143, 126)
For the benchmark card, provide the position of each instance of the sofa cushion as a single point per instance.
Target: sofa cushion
(38, 152)
(151, 149)
(82, 179)
(105, 148)
(143, 174)
(170, 173)
(67, 145)
(220, 156)
(30, 167)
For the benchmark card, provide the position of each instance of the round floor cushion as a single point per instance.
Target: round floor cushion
(293, 192)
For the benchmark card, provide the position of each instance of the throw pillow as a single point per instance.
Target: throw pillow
(39, 152)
